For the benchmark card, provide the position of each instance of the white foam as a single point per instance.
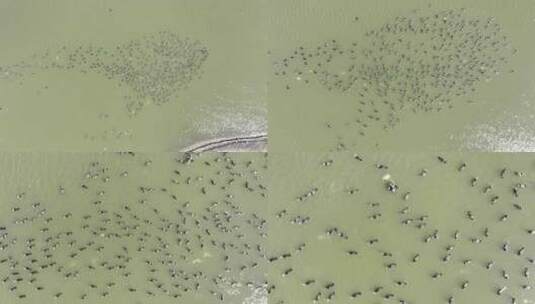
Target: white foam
(232, 120)
(259, 296)
(510, 134)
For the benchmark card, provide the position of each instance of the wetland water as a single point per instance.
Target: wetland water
(258, 228)
(112, 76)
(401, 76)
(373, 75)
(132, 228)
(111, 114)
(401, 228)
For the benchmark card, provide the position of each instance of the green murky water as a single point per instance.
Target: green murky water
(385, 228)
(116, 76)
(413, 217)
(123, 228)
(253, 228)
(377, 75)
(461, 70)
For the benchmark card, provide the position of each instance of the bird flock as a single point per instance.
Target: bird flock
(401, 229)
(122, 230)
(278, 228)
(208, 227)
(414, 63)
(155, 67)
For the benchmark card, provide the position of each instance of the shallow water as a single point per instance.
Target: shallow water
(124, 228)
(414, 216)
(352, 239)
(228, 87)
(310, 117)
(258, 228)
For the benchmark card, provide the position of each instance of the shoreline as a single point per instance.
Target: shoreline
(246, 143)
